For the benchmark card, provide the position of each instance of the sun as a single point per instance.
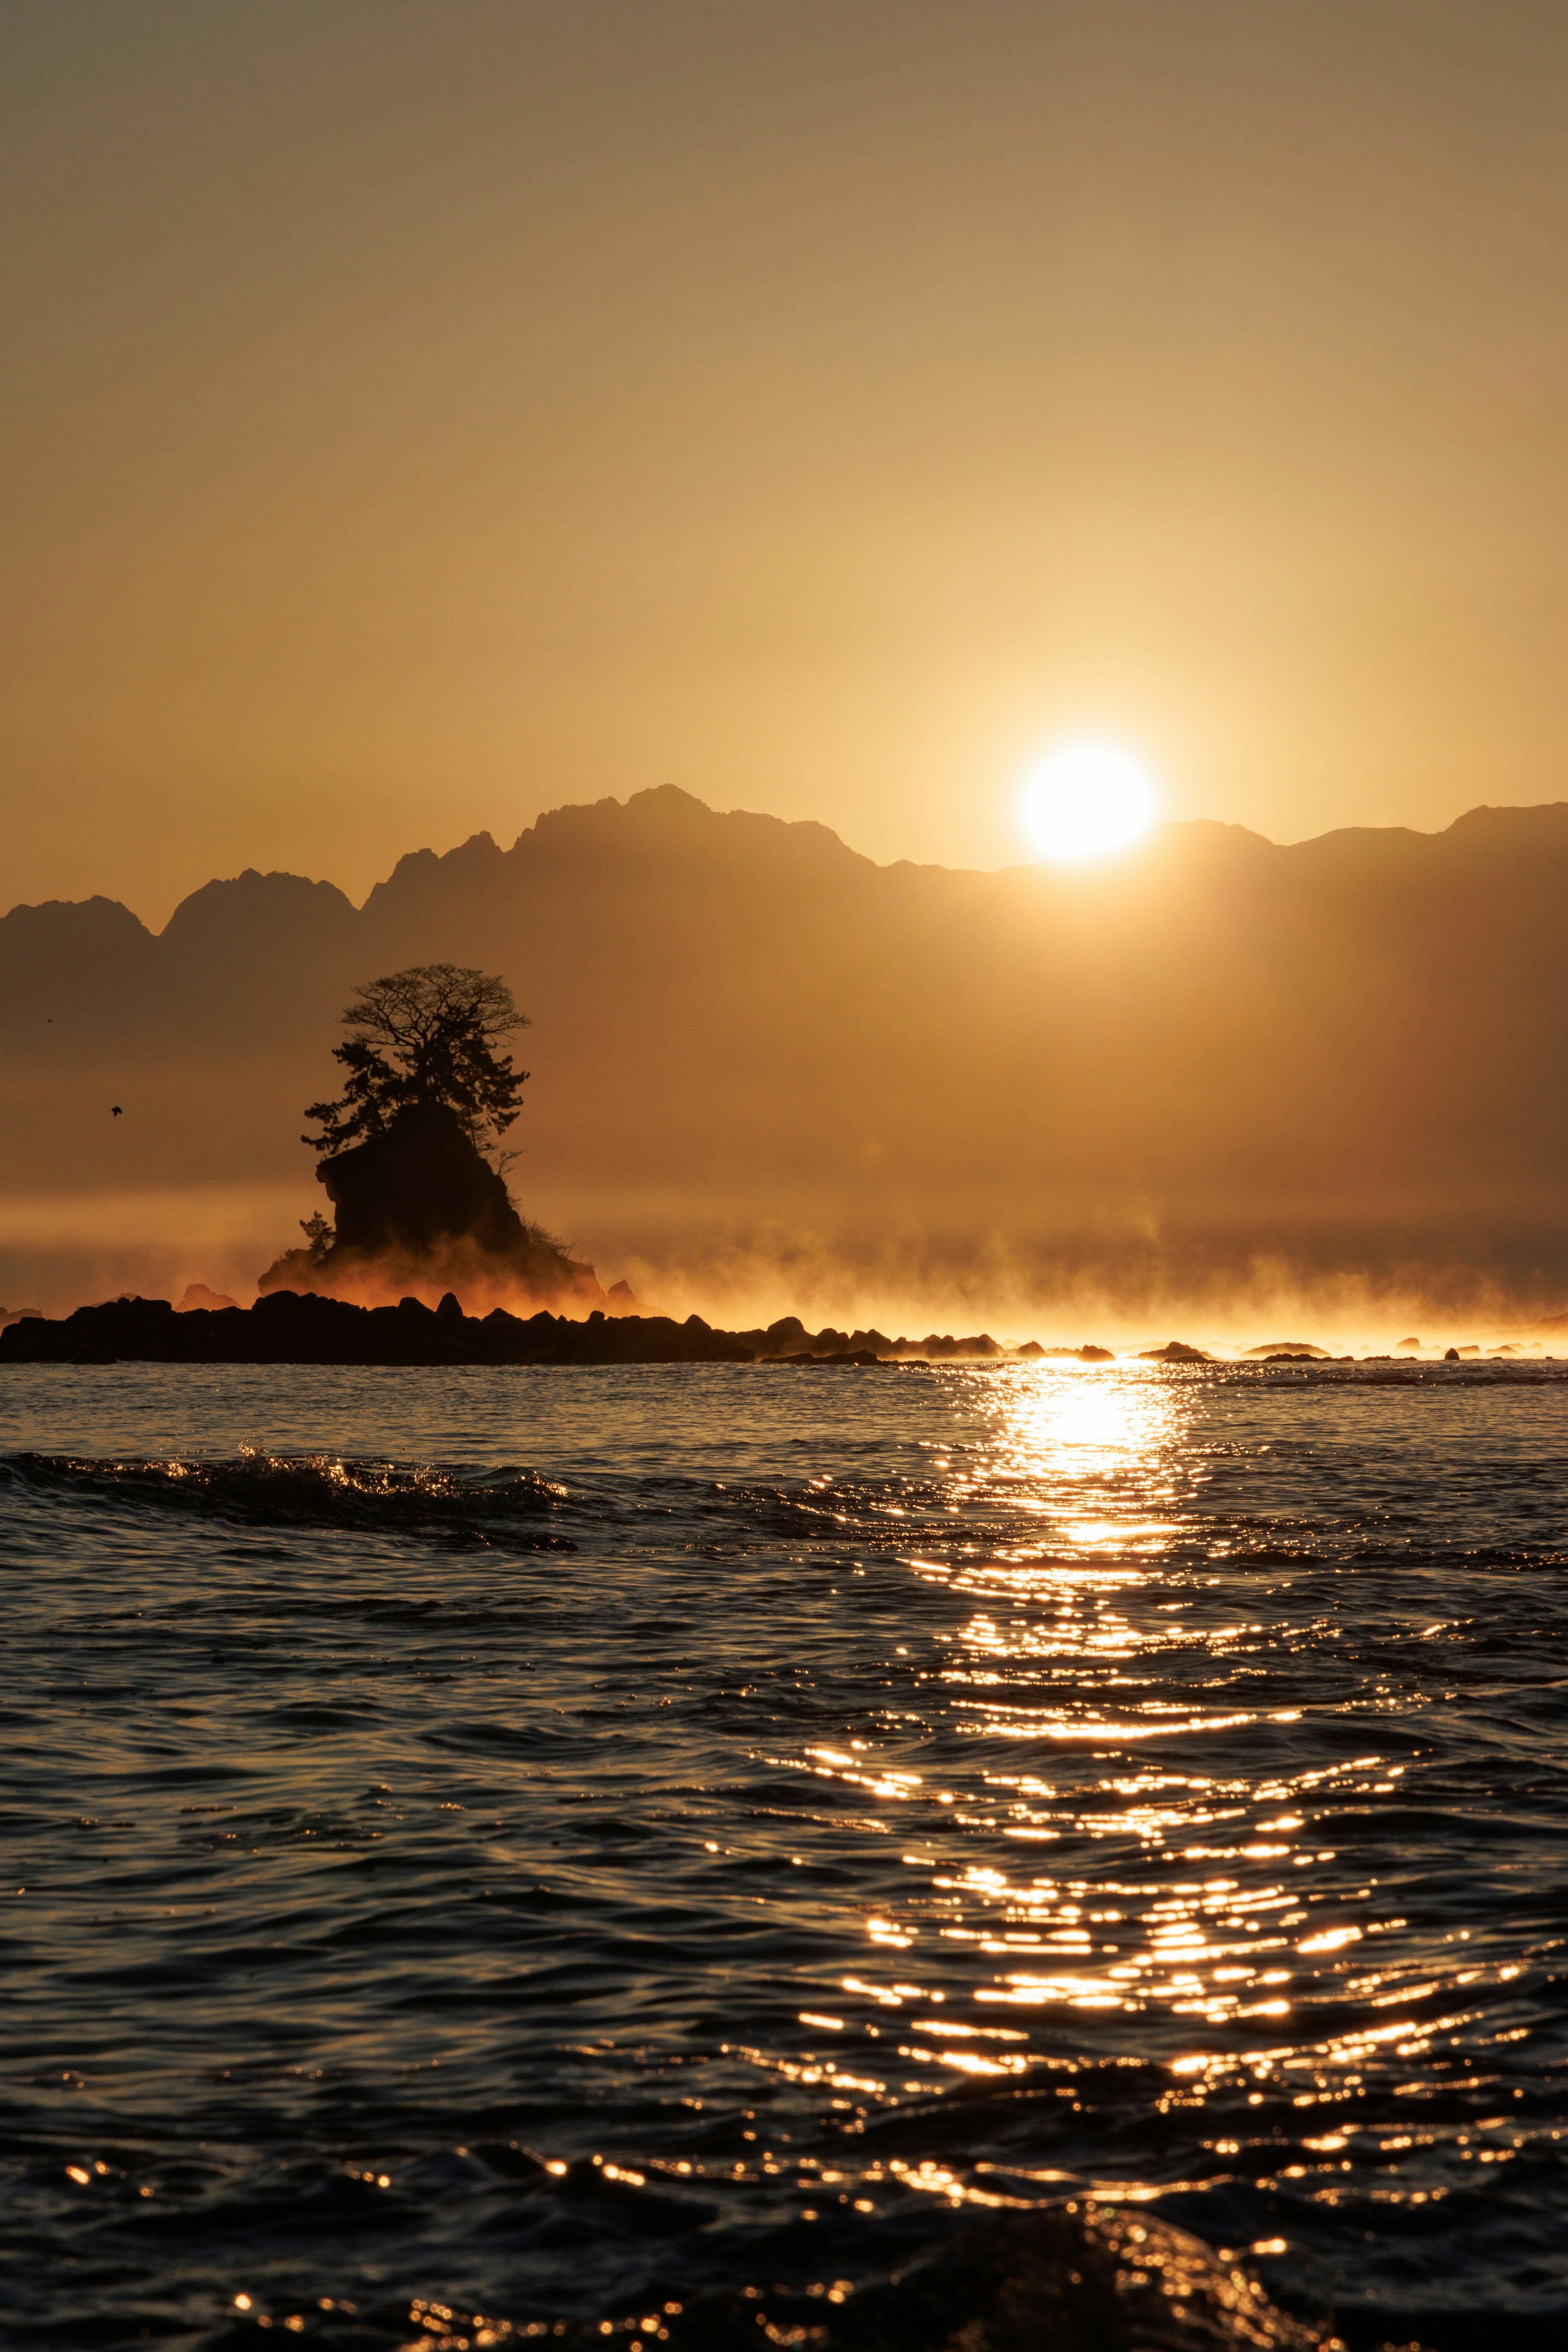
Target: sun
(1085, 799)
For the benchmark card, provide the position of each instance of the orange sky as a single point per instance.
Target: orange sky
(419, 416)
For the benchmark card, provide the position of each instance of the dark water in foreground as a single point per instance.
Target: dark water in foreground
(795, 1810)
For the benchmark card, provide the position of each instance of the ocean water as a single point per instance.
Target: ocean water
(602, 1849)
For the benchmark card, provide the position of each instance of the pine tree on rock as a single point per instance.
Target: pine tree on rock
(427, 1036)
(417, 1206)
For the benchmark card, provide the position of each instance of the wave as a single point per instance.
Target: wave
(259, 1489)
(1080, 2275)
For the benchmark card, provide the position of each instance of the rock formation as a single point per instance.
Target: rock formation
(289, 1327)
(417, 1209)
(200, 1298)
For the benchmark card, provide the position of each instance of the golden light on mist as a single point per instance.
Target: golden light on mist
(1086, 800)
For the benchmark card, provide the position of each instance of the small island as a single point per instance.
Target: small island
(412, 1165)
(412, 1159)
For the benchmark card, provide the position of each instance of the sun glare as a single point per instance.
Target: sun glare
(1085, 800)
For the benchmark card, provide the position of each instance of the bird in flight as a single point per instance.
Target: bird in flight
(115, 1111)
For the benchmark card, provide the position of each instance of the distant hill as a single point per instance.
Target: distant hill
(1349, 1053)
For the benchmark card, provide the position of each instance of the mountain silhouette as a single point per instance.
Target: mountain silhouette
(1350, 1052)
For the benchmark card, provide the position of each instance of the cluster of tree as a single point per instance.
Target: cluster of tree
(429, 1034)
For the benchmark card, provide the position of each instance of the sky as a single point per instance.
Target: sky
(420, 416)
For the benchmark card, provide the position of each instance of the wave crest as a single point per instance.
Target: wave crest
(264, 1489)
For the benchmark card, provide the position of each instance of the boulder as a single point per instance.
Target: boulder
(201, 1300)
(416, 1185)
(419, 1207)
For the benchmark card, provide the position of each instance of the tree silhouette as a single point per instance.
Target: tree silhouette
(428, 1034)
(318, 1234)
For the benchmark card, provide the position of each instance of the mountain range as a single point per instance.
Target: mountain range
(754, 1049)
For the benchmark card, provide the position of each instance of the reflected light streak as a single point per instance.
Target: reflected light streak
(1087, 1624)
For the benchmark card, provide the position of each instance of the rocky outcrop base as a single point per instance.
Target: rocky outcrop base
(289, 1327)
(419, 1210)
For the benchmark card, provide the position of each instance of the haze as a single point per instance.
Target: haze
(1283, 1091)
(420, 418)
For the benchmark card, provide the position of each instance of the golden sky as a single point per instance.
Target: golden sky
(419, 416)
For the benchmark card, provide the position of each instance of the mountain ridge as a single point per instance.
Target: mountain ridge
(1350, 1053)
(1549, 818)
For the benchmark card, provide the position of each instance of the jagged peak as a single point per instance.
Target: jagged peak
(1535, 818)
(413, 861)
(1199, 843)
(421, 867)
(1212, 830)
(251, 895)
(668, 817)
(1542, 826)
(97, 913)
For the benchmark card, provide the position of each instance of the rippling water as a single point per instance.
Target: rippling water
(575, 1844)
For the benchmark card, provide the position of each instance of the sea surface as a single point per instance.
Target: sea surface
(600, 1849)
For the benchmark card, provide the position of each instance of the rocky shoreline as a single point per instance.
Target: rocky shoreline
(288, 1326)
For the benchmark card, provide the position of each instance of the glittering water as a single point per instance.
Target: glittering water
(570, 1845)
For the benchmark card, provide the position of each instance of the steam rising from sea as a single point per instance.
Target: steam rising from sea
(1124, 1289)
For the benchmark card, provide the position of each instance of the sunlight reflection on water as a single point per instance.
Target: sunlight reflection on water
(823, 1795)
(1112, 1619)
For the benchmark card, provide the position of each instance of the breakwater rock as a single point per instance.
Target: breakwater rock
(288, 1327)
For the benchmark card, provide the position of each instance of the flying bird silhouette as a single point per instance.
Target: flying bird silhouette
(115, 1111)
